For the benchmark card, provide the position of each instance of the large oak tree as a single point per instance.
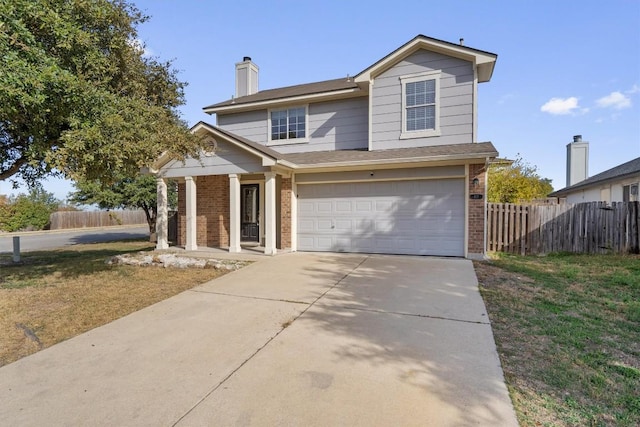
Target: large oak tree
(79, 97)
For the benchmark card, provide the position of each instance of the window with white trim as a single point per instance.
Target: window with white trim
(288, 124)
(420, 105)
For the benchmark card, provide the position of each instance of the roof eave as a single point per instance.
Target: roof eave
(582, 186)
(404, 160)
(314, 97)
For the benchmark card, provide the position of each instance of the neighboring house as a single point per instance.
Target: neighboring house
(618, 184)
(385, 161)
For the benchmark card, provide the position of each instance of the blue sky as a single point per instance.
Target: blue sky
(564, 67)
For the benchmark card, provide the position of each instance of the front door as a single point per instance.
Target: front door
(250, 211)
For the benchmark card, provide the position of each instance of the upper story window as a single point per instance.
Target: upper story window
(420, 105)
(288, 124)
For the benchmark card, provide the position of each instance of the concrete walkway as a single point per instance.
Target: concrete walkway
(297, 339)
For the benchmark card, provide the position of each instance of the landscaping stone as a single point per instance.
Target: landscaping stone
(175, 261)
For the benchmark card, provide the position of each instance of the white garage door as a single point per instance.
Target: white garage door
(399, 217)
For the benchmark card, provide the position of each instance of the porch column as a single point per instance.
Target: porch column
(162, 224)
(234, 213)
(270, 213)
(192, 237)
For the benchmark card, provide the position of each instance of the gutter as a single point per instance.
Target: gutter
(404, 160)
(342, 93)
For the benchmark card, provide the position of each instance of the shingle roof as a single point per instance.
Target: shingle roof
(259, 147)
(326, 86)
(341, 157)
(629, 168)
(438, 152)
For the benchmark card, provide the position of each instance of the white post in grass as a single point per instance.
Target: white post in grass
(16, 248)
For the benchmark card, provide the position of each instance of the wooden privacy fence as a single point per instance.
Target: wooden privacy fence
(595, 227)
(79, 219)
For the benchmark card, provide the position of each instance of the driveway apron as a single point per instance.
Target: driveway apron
(296, 339)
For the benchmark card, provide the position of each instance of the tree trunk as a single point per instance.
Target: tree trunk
(151, 215)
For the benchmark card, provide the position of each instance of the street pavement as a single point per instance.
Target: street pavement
(54, 239)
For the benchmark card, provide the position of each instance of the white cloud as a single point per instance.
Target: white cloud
(615, 100)
(560, 106)
(634, 89)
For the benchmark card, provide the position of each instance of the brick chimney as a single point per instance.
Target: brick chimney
(246, 77)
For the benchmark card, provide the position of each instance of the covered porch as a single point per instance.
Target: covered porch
(233, 196)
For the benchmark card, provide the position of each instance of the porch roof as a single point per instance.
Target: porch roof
(349, 158)
(434, 153)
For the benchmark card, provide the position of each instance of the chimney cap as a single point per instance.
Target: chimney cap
(246, 58)
(461, 41)
(577, 138)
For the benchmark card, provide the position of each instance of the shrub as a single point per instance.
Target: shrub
(28, 211)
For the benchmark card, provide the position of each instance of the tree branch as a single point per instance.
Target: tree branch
(14, 169)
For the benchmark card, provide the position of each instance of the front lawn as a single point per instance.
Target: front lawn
(54, 295)
(567, 329)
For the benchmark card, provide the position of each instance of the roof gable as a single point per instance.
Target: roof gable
(484, 61)
(268, 156)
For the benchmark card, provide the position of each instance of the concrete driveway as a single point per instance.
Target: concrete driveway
(296, 339)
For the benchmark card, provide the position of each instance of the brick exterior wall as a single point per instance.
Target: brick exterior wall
(477, 209)
(212, 216)
(285, 214)
(213, 211)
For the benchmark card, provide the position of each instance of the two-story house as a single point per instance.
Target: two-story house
(385, 161)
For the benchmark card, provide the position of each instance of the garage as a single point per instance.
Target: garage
(416, 217)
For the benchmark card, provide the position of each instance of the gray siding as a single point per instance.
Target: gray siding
(251, 125)
(456, 101)
(227, 159)
(381, 174)
(333, 125)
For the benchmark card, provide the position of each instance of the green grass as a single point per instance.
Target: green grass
(568, 332)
